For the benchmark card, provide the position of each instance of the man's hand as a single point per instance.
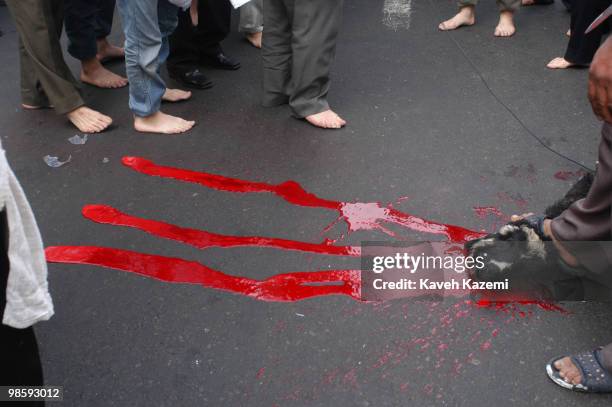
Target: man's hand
(600, 82)
(193, 12)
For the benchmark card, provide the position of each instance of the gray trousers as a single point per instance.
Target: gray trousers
(299, 45)
(590, 219)
(45, 78)
(251, 17)
(504, 5)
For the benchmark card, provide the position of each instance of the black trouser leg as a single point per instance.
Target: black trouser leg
(188, 44)
(582, 47)
(79, 20)
(104, 18)
(85, 22)
(19, 359)
(214, 26)
(183, 43)
(568, 4)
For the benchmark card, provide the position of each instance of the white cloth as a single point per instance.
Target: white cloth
(239, 3)
(184, 4)
(27, 293)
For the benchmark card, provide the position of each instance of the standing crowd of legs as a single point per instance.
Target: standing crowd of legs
(297, 55)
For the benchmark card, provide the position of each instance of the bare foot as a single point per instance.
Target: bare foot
(569, 32)
(568, 371)
(107, 51)
(88, 120)
(567, 257)
(505, 27)
(559, 63)
(254, 39)
(162, 123)
(326, 120)
(176, 95)
(93, 73)
(465, 16)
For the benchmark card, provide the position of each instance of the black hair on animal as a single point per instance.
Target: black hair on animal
(517, 248)
(578, 191)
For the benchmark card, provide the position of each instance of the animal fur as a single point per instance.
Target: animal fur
(578, 191)
(517, 249)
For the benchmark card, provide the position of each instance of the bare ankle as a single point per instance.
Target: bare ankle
(468, 11)
(90, 65)
(102, 43)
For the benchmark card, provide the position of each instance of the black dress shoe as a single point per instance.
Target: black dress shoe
(221, 61)
(191, 78)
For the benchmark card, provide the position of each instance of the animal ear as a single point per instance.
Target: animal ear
(472, 246)
(508, 231)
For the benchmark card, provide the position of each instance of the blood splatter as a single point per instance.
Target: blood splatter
(515, 199)
(203, 239)
(512, 306)
(569, 175)
(283, 287)
(483, 211)
(290, 191)
(527, 172)
(280, 287)
(357, 215)
(350, 378)
(295, 286)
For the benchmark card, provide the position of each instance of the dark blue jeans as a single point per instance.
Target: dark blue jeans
(582, 47)
(87, 21)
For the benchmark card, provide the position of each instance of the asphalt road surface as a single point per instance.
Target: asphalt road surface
(422, 125)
